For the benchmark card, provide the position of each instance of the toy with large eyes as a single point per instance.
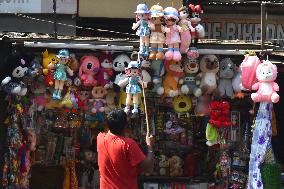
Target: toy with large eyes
(88, 70)
(99, 94)
(119, 64)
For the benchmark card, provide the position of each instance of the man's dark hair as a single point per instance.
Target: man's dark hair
(116, 121)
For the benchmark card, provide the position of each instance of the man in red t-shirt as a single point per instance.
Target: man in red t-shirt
(120, 159)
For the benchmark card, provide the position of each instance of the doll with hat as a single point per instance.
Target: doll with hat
(60, 75)
(143, 29)
(157, 38)
(172, 34)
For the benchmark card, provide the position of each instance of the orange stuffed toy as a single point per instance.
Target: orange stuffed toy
(174, 71)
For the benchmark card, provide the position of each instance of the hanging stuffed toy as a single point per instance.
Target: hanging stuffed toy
(209, 66)
(99, 94)
(143, 31)
(226, 73)
(105, 72)
(157, 38)
(185, 24)
(157, 71)
(133, 73)
(237, 84)
(120, 63)
(266, 74)
(172, 34)
(48, 58)
(197, 31)
(74, 80)
(174, 71)
(15, 71)
(60, 75)
(88, 70)
(190, 85)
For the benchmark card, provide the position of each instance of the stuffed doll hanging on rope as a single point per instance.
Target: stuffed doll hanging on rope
(142, 23)
(133, 80)
(60, 75)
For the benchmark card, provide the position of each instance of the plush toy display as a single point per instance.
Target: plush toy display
(172, 34)
(119, 64)
(237, 84)
(226, 73)
(89, 68)
(266, 74)
(98, 100)
(220, 114)
(185, 35)
(197, 31)
(47, 59)
(189, 83)
(174, 71)
(209, 66)
(13, 84)
(157, 38)
(133, 73)
(248, 70)
(182, 105)
(176, 164)
(157, 70)
(105, 73)
(143, 31)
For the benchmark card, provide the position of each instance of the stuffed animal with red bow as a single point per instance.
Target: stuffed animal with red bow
(105, 73)
(89, 69)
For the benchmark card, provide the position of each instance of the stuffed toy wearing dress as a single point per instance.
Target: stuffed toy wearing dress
(157, 38)
(174, 71)
(47, 59)
(157, 71)
(105, 72)
(119, 64)
(209, 66)
(266, 74)
(15, 70)
(189, 83)
(89, 68)
(143, 29)
(226, 73)
(172, 34)
(99, 94)
(185, 24)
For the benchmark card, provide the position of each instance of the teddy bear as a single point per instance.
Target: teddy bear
(209, 66)
(119, 64)
(266, 74)
(105, 72)
(176, 166)
(226, 73)
(189, 83)
(98, 100)
(110, 101)
(15, 70)
(163, 165)
(47, 59)
(89, 68)
(157, 72)
(174, 71)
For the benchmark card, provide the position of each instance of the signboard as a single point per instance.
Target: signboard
(38, 6)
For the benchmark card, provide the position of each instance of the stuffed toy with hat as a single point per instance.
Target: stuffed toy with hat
(226, 73)
(157, 72)
(197, 30)
(132, 81)
(89, 68)
(143, 29)
(105, 72)
(172, 34)
(209, 66)
(157, 38)
(174, 71)
(186, 26)
(60, 75)
(266, 74)
(15, 70)
(47, 59)
(119, 64)
(189, 83)
(98, 100)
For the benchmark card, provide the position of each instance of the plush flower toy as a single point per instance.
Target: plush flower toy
(133, 80)
(60, 75)
(266, 74)
(157, 38)
(90, 66)
(143, 31)
(172, 34)
(185, 24)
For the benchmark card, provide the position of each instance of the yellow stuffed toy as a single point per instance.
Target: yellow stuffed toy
(48, 58)
(182, 105)
(174, 71)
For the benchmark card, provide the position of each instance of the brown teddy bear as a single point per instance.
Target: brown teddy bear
(176, 168)
(163, 165)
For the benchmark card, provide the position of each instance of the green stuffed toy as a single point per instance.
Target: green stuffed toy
(212, 135)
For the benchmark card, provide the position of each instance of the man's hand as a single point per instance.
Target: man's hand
(149, 140)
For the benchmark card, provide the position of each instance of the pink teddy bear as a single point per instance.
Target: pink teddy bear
(266, 74)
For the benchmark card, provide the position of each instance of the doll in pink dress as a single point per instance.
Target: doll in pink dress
(172, 34)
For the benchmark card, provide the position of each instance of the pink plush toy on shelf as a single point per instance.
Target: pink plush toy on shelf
(266, 74)
(89, 68)
(172, 34)
(186, 26)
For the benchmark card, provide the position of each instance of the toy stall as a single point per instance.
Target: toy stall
(211, 112)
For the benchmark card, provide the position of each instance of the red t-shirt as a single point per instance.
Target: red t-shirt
(118, 158)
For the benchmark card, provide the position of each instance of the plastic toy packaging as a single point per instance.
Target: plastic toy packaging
(60, 75)
(132, 81)
(143, 29)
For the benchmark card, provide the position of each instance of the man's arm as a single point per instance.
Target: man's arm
(147, 165)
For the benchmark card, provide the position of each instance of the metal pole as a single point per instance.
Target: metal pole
(55, 19)
(263, 25)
